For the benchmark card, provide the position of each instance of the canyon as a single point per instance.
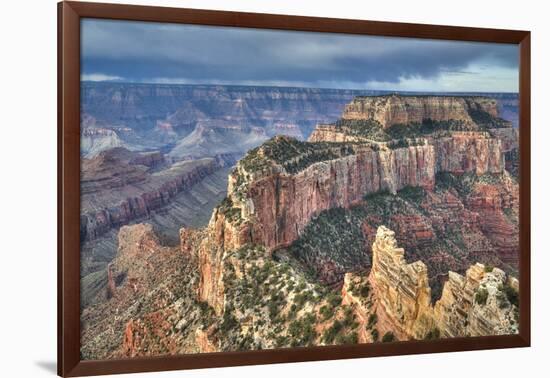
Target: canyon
(120, 187)
(193, 120)
(304, 248)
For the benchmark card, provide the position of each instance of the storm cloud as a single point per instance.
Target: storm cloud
(171, 53)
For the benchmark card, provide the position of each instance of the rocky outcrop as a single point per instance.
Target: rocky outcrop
(484, 302)
(477, 304)
(333, 134)
(222, 235)
(457, 152)
(271, 200)
(361, 303)
(204, 340)
(469, 152)
(509, 138)
(394, 109)
(153, 159)
(403, 296)
(95, 140)
(148, 306)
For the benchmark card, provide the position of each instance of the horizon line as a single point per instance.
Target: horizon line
(282, 86)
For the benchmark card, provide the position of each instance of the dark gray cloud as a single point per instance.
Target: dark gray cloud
(138, 51)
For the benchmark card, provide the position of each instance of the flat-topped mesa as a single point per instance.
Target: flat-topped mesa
(466, 132)
(285, 183)
(484, 302)
(394, 109)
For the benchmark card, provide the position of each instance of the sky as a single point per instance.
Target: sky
(143, 52)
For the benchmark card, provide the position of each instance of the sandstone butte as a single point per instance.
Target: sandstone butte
(390, 110)
(279, 187)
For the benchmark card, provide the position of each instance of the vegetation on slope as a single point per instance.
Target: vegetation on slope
(293, 155)
(269, 304)
(339, 240)
(486, 121)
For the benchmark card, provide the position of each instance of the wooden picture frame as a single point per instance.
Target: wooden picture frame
(69, 16)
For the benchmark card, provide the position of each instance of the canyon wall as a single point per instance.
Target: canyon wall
(463, 152)
(202, 120)
(498, 206)
(282, 204)
(109, 202)
(292, 111)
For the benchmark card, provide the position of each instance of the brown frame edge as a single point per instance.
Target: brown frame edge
(69, 14)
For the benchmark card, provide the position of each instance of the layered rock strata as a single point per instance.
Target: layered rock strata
(469, 152)
(288, 202)
(473, 305)
(395, 109)
(148, 307)
(118, 187)
(402, 290)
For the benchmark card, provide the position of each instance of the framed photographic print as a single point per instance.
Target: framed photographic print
(239, 188)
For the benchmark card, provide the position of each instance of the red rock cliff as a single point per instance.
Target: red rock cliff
(282, 204)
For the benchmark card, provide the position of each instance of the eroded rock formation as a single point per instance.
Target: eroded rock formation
(278, 188)
(288, 202)
(403, 296)
(480, 303)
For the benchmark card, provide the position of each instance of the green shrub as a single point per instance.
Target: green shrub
(433, 334)
(388, 337)
(512, 295)
(352, 338)
(481, 296)
(332, 331)
(302, 332)
(374, 334)
(326, 312)
(413, 194)
(373, 319)
(349, 317)
(229, 322)
(334, 300)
